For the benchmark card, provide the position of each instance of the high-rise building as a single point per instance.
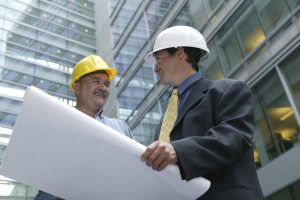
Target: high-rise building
(256, 41)
(40, 41)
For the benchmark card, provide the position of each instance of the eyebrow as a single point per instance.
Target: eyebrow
(97, 78)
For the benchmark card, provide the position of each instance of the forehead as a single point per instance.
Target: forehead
(160, 52)
(98, 75)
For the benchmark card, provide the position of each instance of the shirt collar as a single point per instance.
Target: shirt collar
(99, 114)
(187, 82)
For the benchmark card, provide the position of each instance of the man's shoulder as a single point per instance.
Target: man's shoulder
(112, 119)
(222, 86)
(225, 83)
(118, 124)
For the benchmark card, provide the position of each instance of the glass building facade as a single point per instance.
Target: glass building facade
(256, 41)
(40, 41)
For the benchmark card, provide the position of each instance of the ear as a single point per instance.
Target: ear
(180, 53)
(76, 87)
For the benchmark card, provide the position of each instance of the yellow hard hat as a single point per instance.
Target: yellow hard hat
(91, 64)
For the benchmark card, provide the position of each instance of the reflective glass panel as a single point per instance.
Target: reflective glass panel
(291, 192)
(197, 13)
(144, 132)
(211, 67)
(275, 123)
(131, 48)
(123, 18)
(7, 119)
(293, 3)
(155, 12)
(271, 12)
(10, 105)
(140, 85)
(290, 67)
(229, 48)
(249, 30)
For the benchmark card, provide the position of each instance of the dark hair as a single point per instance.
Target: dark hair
(193, 55)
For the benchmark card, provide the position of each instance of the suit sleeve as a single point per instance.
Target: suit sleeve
(224, 142)
(45, 196)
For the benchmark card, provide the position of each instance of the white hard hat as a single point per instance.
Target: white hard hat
(180, 36)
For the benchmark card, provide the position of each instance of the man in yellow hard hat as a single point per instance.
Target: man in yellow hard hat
(207, 129)
(90, 82)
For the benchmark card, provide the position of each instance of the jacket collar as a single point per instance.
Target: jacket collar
(198, 89)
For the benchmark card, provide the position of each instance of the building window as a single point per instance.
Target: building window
(136, 91)
(7, 119)
(229, 48)
(271, 12)
(290, 67)
(249, 31)
(144, 132)
(123, 19)
(275, 122)
(290, 193)
(211, 67)
(197, 13)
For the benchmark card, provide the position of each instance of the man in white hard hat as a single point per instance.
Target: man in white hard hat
(90, 82)
(212, 134)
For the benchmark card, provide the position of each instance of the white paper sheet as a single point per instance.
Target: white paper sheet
(58, 149)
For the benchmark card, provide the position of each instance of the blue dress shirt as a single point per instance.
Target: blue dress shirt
(184, 88)
(118, 125)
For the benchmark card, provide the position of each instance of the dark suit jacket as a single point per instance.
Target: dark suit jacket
(212, 137)
(45, 196)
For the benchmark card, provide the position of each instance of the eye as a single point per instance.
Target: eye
(107, 84)
(96, 80)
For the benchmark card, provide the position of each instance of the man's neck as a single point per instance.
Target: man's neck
(90, 112)
(184, 75)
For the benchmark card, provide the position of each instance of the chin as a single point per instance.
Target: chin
(164, 82)
(100, 103)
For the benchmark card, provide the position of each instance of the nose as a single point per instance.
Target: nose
(102, 87)
(155, 68)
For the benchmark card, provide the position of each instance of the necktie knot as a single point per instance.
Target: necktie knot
(175, 92)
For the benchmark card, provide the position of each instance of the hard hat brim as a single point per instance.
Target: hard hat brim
(149, 58)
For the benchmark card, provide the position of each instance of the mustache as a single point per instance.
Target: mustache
(100, 92)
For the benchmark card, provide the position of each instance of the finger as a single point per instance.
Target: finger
(157, 162)
(153, 156)
(148, 151)
(163, 165)
(170, 157)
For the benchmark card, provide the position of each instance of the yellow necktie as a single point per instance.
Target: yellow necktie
(170, 117)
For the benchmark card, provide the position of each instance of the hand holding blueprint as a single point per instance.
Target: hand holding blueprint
(58, 149)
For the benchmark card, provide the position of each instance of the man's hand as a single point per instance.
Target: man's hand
(159, 154)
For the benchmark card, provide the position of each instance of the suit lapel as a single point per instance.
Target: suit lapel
(198, 89)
